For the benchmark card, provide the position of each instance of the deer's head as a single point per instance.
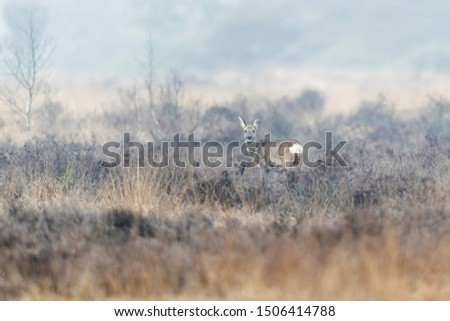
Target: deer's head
(249, 130)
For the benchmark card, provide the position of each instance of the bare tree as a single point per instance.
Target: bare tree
(24, 60)
(157, 106)
(149, 79)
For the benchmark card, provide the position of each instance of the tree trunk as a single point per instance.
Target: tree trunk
(27, 122)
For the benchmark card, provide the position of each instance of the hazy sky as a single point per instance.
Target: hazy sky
(205, 36)
(277, 47)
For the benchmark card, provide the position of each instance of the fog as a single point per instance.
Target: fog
(238, 45)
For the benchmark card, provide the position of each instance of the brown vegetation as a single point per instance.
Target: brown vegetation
(377, 229)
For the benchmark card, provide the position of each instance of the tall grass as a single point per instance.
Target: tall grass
(377, 229)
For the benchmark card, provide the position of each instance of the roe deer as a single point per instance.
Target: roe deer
(285, 153)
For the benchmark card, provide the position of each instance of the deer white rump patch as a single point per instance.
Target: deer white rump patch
(296, 149)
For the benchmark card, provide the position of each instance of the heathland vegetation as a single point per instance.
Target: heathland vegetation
(71, 228)
(377, 229)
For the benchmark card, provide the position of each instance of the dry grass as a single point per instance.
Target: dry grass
(378, 229)
(120, 254)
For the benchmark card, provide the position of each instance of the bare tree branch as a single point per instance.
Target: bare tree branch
(25, 60)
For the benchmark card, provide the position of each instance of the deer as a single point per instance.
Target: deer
(285, 153)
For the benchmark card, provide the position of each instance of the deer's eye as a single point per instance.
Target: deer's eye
(253, 131)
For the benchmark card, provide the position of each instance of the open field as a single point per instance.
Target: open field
(378, 229)
(76, 78)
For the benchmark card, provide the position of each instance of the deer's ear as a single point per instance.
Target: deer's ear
(242, 122)
(256, 122)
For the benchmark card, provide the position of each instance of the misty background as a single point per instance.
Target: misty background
(348, 51)
(210, 36)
